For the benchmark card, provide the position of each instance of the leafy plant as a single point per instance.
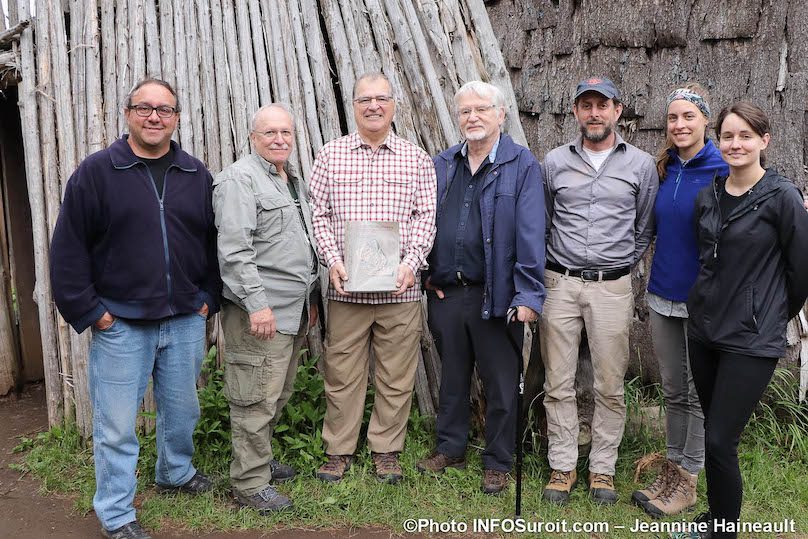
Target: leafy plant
(780, 420)
(213, 429)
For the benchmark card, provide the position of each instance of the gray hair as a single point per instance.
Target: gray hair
(484, 90)
(372, 75)
(282, 106)
(158, 82)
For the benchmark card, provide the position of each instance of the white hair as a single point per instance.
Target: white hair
(282, 106)
(484, 90)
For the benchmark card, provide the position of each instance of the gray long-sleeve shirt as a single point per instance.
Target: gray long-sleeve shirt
(598, 219)
(265, 249)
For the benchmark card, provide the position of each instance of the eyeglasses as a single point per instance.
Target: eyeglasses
(144, 111)
(272, 133)
(367, 100)
(465, 113)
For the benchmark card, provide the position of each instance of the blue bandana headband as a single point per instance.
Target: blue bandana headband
(688, 95)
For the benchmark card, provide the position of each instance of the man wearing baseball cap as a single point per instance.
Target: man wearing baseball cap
(599, 197)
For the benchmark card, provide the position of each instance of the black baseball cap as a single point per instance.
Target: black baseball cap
(600, 85)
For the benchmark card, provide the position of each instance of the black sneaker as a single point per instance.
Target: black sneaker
(198, 484)
(130, 530)
(281, 472)
(265, 502)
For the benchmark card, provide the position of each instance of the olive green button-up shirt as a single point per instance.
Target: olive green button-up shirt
(265, 248)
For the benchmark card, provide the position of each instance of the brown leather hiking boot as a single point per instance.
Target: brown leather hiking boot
(438, 462)
(494, 481)
(601, 488)
(387, 466)
(659, 485)
(335, 468)
(559, 487)
(679, 496)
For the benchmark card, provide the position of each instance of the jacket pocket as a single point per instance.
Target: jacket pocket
(272, 215)
(244, 378)
(751, 308)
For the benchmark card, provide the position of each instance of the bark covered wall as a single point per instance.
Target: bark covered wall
(738, 49)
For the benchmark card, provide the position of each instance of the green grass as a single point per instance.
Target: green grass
(773, 471)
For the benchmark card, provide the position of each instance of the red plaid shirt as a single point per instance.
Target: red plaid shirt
(351, 182)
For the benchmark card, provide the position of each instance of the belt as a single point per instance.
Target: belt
(589, 274)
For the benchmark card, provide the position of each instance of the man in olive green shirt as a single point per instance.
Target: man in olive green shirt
(269, 269)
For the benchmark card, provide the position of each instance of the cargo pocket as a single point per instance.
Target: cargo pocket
(244, 378)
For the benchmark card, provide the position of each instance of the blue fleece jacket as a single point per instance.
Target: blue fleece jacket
(118, 247)
(676, 258)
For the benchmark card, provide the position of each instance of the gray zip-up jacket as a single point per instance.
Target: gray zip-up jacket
(598, 219)
(265, 250)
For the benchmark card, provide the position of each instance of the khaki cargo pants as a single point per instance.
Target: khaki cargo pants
(259, 377)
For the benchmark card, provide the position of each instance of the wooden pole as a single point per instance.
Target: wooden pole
(213, 151)
(320, 70)
(95, 107)
(260, 51)
(223, 105)
(167, 41)
(312, 118)
(339, 47)
(248, 69)
(76, 57)
(123, 75)
(193, 116)
(110, 92)
(181, 69)
(50, 177)
(239, 119)
(30, 130)
(137, 43)
(153, 68)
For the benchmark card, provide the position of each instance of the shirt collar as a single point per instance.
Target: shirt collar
(392, 142)
(272, 170)
(578, 144)
(492, 155)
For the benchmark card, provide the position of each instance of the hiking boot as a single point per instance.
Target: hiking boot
(494, 481)
(559, 487)
(130, 530)
(702, 518)
(388, 469)
(601, 488)
(334, 470)
(659, 485)
(265, 502)
(679, 496)
(438, 462)
(281, 472)
(198, 484)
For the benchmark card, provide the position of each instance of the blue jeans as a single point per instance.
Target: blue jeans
(122, 358)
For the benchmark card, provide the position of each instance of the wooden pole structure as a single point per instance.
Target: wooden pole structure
(44, 299)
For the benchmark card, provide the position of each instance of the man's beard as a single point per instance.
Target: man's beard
(597, 137)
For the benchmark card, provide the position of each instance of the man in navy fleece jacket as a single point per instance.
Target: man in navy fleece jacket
(134, 256)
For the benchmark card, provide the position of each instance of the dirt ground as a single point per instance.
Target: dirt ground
(27, 514)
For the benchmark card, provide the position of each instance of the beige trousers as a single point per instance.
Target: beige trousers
(605, 309)
(394, 332)
(259, 377)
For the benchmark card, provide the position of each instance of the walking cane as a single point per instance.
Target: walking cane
(512, 322)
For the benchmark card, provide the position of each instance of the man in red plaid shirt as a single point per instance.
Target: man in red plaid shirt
(372, 175)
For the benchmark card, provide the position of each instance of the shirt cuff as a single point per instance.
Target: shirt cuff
(256, 302)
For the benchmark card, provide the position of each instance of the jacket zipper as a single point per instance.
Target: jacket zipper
(165, 234)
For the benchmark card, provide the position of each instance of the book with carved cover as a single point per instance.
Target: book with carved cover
(371, 255)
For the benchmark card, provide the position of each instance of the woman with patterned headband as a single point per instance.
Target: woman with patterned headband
(686, 164)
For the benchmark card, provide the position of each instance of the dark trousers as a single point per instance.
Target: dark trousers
(463, 338)
(729, 386)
